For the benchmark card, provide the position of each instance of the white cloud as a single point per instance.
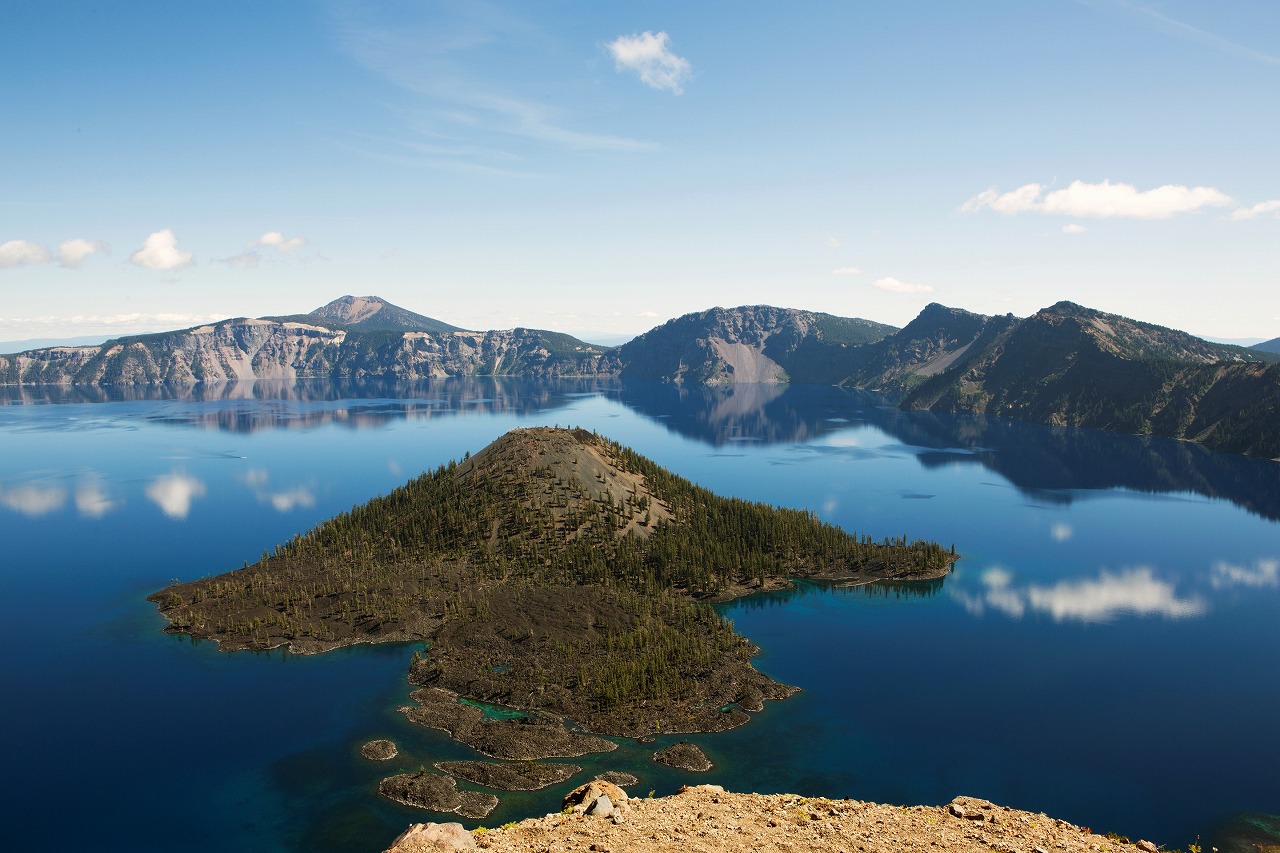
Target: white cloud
(834, 243)
(161, 252)
(1061, 532)
(276, 240)
(1074, 228)
(19, 253)
(649, 57)
(33, 499)
(846, 271)
(72, 253)
(893, 285)
(1260, 209)
(1100, 201)
(648, 314)
(1263, 573)
(173, 493)
(92, 501)
(243, 261)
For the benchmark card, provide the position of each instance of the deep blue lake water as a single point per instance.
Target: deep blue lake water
(1106, 651)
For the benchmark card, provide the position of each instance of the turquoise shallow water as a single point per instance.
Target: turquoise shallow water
(1106, 650)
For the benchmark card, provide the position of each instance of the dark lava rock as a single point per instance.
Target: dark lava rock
(618, 778)
(379, 750)
(684, 756)
(526, 739)
(436, 793)
(509, 776)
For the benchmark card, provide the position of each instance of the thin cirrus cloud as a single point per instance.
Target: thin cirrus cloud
(847, 271)
(1103, 200)
(1134, 591)
(160, 252)
(174, 494)
(650, 58)
(893, 285)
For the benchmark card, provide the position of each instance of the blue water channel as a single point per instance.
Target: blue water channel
(1106, 651)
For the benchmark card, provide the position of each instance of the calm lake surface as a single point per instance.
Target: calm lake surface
(1107, 650)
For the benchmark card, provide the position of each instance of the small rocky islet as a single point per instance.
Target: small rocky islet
(556, 573)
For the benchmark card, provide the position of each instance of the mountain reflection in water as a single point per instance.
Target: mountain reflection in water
(1049, 465)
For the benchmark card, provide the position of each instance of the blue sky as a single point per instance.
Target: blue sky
(597, 168)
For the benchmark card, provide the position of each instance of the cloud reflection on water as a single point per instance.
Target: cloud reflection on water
(33, 499)
(173, 493)
(1133, 591)
(282, 501)
(1263, 573)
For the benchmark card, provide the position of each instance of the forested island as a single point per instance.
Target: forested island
(555, 572)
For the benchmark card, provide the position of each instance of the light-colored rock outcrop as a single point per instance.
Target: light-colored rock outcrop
(706, 819)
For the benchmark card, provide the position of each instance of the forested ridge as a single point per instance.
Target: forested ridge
(529, 564)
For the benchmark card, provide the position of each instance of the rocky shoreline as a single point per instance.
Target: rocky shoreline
(707, 819)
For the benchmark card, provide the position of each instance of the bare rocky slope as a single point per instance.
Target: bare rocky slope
(706, 819)
(350, 338)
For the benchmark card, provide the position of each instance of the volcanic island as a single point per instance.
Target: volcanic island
(554, 572)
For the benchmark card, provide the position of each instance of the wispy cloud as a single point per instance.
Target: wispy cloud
(160, 252)
(110, 323)
(650, 58)
(893, 285)
(1182, 29)
(1262, 208)
(1074, 228)
(441, 56)
(1099, 201)
(849, 271)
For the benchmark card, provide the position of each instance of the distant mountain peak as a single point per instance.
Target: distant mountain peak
(370, 314)
(352, 309)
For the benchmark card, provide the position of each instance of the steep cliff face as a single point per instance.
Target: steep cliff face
(752, 343)
(267, 349)
(229, 350)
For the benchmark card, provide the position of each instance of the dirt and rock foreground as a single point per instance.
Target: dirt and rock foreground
(706, 819)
